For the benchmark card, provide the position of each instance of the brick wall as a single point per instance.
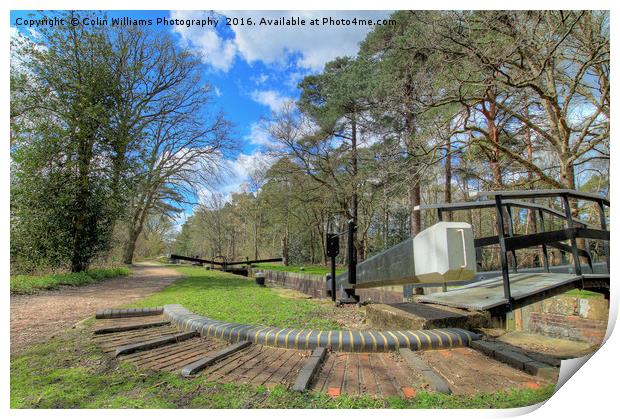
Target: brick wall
(568, 327)
(573, 318)
(314, 285)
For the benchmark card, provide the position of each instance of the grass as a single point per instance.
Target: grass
(583, 294)
(69, 371)
(28, 284)
(223, 296)
(306, 269)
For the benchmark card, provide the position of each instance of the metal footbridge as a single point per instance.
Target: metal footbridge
(511, 286)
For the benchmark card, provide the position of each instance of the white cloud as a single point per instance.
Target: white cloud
(312, 46)
(294, 78)
(270, 98)
(258, 136)
(260, 79)
(241, 169)
(212, 49)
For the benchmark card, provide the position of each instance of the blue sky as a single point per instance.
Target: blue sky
(254, 70)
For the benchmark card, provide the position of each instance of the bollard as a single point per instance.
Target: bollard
(260, 279)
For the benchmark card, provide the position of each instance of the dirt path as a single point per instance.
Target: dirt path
(37, 318)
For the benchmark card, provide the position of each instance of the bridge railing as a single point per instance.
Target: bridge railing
(509, 242)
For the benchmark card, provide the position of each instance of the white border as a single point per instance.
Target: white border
(590, 393)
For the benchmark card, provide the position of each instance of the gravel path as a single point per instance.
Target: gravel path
(37, 318)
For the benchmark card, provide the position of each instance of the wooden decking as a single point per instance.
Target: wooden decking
(161, 346)
(381, 374)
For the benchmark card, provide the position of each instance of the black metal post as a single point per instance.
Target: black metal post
(332, 248)
(510, 234)
(333, 277)
(573, 240)
(601, 211)
(544, 246)
(502, 249)
(352, 254)
(439, 214)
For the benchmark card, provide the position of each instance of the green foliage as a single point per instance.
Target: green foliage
(223, 296)
(583, 294)
(63, 182)
(27, 284)
(109, 128)
(431, 109)
(69, 371)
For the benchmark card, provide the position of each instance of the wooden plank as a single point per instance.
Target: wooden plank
(383, 375)
(110, 346)
(124, 328)
(105, 339)
(254, 358)
(489, 293)
(128, 321)
(293, 370)
(153, 353)
(180, 361)
(174, 357)
(336, 376)
(268, 357)
(271, 368)
(324, 373)
(368, 381)
(154, 343)
(518, 320)
(211, 359)
(173, 351)
(351, 382)
(290, 368)
(404, 376)
(222, 368)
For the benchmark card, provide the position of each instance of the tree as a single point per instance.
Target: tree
(542, 68)
(434, 108)
(337, 102)
(62, 180)
(181, 155)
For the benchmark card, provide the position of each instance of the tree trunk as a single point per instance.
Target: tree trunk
(359, 243)
(134, 231)
(415, 224)
(489, 110)
(255, 240)
(130, 247)
(386, 221)
(447, 192)
(567, 177)
(284, 243)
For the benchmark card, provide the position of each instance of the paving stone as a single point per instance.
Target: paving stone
(154, 343)
(541, 370)
(309, 370)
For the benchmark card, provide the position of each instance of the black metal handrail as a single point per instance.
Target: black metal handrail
(511, 242)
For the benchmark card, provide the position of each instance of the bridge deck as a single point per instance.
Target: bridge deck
(489, 293)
